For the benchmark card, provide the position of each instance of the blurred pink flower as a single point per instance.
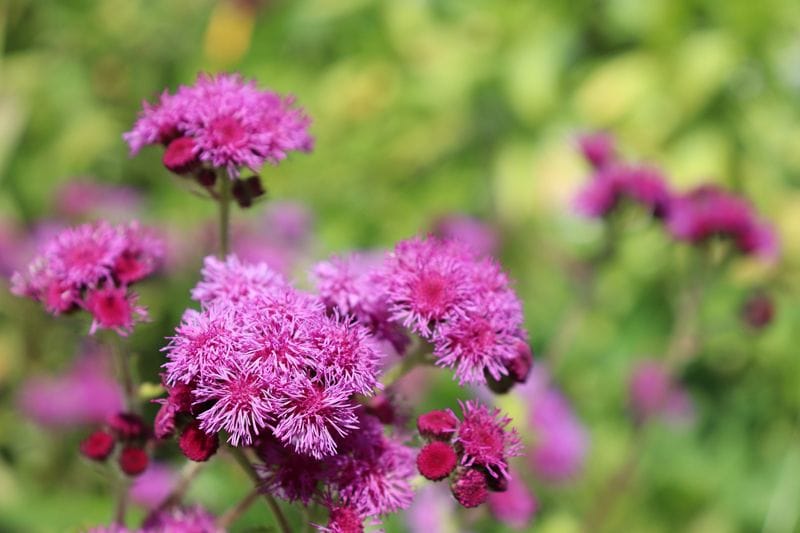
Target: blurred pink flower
(86, 394)
(473, 232)
(432, 511)
(83, 199)
(153, 486)
(516, 506)
(653, 393)
(560, 442)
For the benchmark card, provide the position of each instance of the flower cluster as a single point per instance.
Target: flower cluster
(694, 217)
(709, 211)
(222, 122)
(460, 302)
(368, 477)
(91, 267)
(261, 356)
(473, 451)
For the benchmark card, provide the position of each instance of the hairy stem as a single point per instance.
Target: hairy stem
(224, 214)
(239, 455)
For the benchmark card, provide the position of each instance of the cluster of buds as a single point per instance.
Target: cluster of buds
(127, 429)
(472, 452)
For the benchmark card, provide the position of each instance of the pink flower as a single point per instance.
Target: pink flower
(86, 394)
(561, 442)
(472, 232)
(346, 354)
(613, 183)
(153, 486)
(516, 506)
(84, 255)
(87, 199)
(428, 281)
(241, 405)
(222, 121)
(351, 285)
(484, 439)
(234, 281)
(433, 510)
(310, 417)
(114, 308)
(709, 210)
(653, 393)
(598, 148)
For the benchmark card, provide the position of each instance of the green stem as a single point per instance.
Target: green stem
(232, 515)
(126, 376)
(240, 457)
(406, 365)
(224, 214)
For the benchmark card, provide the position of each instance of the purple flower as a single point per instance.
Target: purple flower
(90, 267)
(598, 148)
(241, 405)
(461, 302)
(709, 210)
(561, 442)
(428, 281)
(311, 417)
(234, 281)
(87, 394)
(375, 477)
(351, 285)
(185, 520)
(222, 121)
(153, 486)
(484, 439)
(201, 341)
(652, 393)
(472, 232)
(346, 354)
(516, 506)
(611, 184)
(433, 510)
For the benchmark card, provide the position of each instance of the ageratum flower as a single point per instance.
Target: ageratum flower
(351, 285)
(222, 122)
(613, 183)
(484, 439)
(709, 210)
(266, 358)
(91, 267)
(233, 281)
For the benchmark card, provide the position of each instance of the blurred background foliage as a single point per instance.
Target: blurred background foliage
(427, 107)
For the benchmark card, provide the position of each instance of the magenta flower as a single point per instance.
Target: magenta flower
(223, 122)
(709, 210)
(351, 285)
(484, 439)
(114, 308)
(614, 183)
(90, 267)
(561, 442)
(653, 393)
(241, 405)
(472, 232)
(463, 303)
(598, 148)
(234, 281)
(428, 281)
(376, 476)
(310, 417)
(516, 506)
(347, 355)
(193, 519)
(86, 394)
